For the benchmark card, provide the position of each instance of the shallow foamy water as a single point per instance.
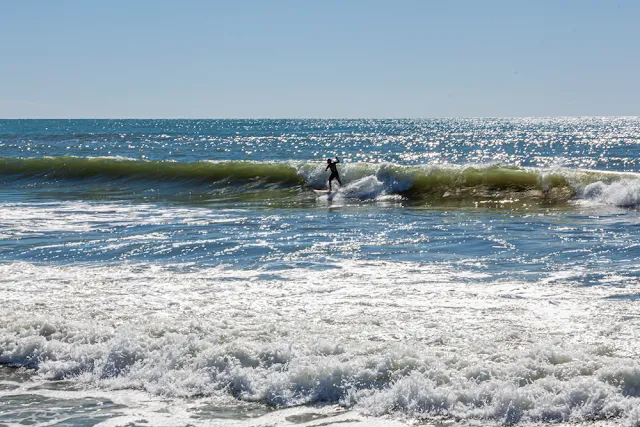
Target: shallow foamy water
(470, 272)
(374, 337)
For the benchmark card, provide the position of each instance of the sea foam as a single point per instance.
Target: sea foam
(386, 341)
(623, 193)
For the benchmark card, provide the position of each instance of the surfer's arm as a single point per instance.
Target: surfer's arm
(337, 159)
(327, 168)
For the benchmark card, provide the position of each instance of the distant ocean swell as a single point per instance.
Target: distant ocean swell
(362, 180)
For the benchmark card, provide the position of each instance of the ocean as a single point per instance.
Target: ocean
(186, 272)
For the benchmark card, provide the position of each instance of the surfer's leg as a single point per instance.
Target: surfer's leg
(332, 177)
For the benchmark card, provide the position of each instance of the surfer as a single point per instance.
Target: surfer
(334, 171)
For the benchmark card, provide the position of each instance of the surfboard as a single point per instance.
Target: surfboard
(322, 191)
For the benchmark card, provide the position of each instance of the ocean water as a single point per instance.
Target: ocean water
(185, 272)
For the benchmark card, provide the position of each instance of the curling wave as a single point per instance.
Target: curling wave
(362, 180)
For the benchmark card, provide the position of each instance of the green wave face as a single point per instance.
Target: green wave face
(82, 168)
(268, 180)
(489, 182)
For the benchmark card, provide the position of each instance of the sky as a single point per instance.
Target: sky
(318, 59)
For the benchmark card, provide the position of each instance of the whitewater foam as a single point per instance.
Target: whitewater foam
(623, 193)
(381, 338)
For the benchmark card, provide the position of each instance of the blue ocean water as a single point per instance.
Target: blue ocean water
(180, 272)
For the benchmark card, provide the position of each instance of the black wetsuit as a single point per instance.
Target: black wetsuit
(334, 172)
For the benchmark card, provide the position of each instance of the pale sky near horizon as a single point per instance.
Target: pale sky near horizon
(350, 58)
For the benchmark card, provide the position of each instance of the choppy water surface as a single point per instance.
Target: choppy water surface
(158, 272)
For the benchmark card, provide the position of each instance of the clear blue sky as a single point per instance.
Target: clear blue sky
(298, 58)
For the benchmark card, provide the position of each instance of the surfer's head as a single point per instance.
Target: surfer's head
(328, 160)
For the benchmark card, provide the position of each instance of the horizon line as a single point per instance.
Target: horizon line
(325, 118)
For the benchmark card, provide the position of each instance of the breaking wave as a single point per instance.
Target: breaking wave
(623, 193)
(363, 180)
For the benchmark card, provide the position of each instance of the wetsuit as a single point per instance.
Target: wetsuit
(334, 172)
